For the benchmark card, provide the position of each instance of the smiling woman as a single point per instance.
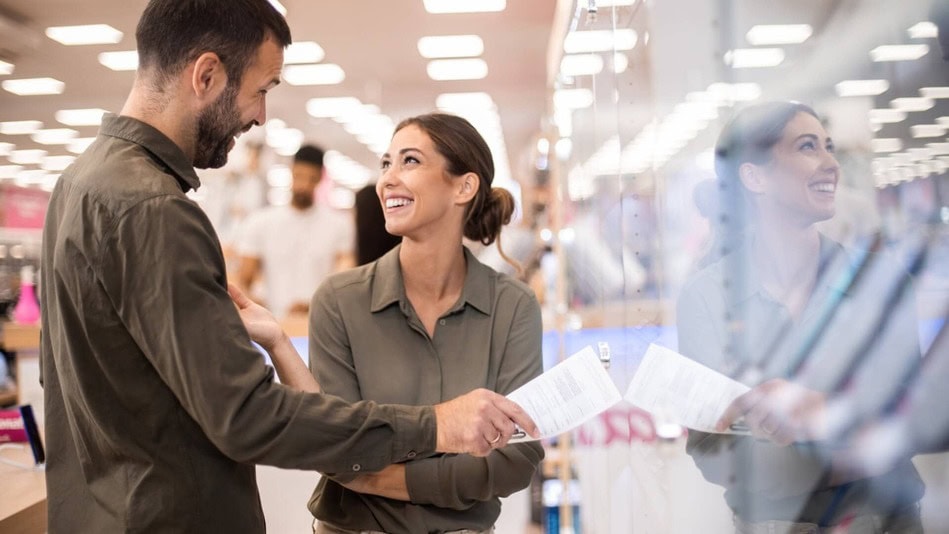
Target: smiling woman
(432, 321)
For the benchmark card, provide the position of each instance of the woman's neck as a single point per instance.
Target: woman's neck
(787, 257)
(431, 270)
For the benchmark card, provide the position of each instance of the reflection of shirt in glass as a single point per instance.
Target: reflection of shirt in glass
(366, 342)
(727, 321)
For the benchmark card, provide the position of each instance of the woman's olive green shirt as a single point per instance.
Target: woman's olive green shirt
(366, 342)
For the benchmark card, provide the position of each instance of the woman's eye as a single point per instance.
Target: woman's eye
(409, 159)
(831, 148)
(385, 164)
(808, 145)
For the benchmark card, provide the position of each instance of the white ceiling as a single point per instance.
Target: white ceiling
(374, 41)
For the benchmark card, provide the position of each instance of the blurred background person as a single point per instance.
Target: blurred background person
(769, 314)
(294, 247)
(372, 239)
(423, 322)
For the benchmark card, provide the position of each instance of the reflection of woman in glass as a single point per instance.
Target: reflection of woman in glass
(739, 314)
(425, 323)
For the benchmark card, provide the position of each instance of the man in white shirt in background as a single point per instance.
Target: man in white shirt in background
(295, 247)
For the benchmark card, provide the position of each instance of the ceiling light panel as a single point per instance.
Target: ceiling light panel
(599, 41)
(899, 52)
(923, 30)
(54, 136)
(448, 46)
(581, 65)
(6, 148)
(321, 74)
(775, 34)
(912, 104)
(6, 68)
(120, 61)
(34, 86)
(934, 92)
(886, 144)
(927, 130)
(87, 34)
(303, 52)
(80, 117)
(886, 116)
(457, 69)
(19, 127)
(464, 6)
(750, 58)
(78, 146)
(27, 157)
(862, 87)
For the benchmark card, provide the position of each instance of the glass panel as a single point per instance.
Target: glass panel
(760, 186)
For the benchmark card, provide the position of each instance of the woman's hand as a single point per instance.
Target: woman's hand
(260, 323)
(780, 411)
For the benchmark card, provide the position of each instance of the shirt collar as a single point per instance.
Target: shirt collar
(388, 287)
(149, 138)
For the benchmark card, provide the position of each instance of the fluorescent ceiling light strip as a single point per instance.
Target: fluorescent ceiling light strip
(457, 69)
(10, 171)
(447, 46)
(581, 65)
(899, 52)
(54, 136)
(886, 144)
(87, 34)
(6, 148)
(775, 34)
(927, 130)
(120, 61)
(80, 117)
(6, 68)
(27, 157)
(923, 30)
(573, 98)
(750, 58)
(862, 87)
(934, 92)
(464, 6)
(34, 86)
(321, 74)
(599, 41)
(911, 104)
(303, 52)
(19, 127)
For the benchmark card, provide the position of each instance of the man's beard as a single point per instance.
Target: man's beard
(217, 125)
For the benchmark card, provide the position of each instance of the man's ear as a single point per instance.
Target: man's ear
(468, 187)
(209, 78)
(752, 177)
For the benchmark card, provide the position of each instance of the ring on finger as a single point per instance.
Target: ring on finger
(496, 439)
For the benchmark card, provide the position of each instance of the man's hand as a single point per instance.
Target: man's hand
(478, 422)
(779, 411)
(260, 323)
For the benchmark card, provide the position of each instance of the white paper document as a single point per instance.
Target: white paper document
(572, 392)
(678, 390)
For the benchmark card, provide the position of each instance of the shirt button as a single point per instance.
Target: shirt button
(442, 322)
(411, 454)
(356, 467)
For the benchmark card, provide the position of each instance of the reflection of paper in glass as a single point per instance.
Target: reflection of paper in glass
(573, 391)
(682, 391)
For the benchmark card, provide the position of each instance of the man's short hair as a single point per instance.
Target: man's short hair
(172, 33)
(309, 154)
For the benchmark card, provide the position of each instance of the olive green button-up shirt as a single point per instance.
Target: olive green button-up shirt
(367, 342)
(157, 404)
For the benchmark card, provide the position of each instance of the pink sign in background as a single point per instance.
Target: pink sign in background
(22, 208)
